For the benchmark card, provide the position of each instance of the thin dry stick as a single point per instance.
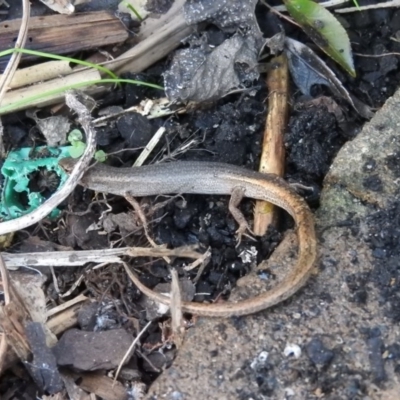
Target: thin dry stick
(128, 353)
(136, 206)
(3, 352)
(386, 4)
(376, 55)
(7, 299)
(12, 64)
(326, 4)
(76, 258)
(275, 11)
(273, 152)
(160, 108)
(64, 306)
(177, 323)
(2, 148)
(75, 176)
(15, 58)
(205, 260)
(149, 147)
(74, 286)
(55, 282)
(4, 347)
(6, 281)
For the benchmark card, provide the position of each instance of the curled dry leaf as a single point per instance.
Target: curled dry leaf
(308, 69)
(198, 75)
(204, 72)
(54, 128)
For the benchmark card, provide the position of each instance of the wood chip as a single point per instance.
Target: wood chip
(61, 34)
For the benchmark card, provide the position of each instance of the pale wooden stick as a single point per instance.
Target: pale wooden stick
(273, 152)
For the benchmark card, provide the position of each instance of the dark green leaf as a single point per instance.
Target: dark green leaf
(324, 29)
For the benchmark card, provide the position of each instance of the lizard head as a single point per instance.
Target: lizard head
(67, 164)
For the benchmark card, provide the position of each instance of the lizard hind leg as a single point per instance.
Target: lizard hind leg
(236, 197)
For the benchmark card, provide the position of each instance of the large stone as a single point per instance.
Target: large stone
(340, 309)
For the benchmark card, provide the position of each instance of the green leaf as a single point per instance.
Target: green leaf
(324, 29)
(75, 135)
(77, 149)
(100, 156)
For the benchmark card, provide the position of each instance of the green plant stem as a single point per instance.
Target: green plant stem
(57, 57)
(30, 99)
(133, 9)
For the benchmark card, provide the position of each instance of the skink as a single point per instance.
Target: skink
(218, 179)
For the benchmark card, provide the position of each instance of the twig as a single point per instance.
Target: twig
(386, 4)
(7, 299)
(55, 282)
(205, 260)
(15, 58)
(159, 108)
(377, 55)
(62, 307)
(326, 4)
(78, 258)
(136, 206)
(5, 280)
(48, 206)
(275, 11)
(72, 288)
(149, 147)
(177, 323)
(2, 149)
(129, 351)
(3, 352)
(12, 64)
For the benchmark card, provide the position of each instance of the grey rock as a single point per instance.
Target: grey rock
(214, 360)
(90, 351)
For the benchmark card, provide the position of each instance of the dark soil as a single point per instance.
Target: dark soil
(230, 131)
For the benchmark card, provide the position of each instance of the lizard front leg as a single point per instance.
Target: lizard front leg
(236, 197)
